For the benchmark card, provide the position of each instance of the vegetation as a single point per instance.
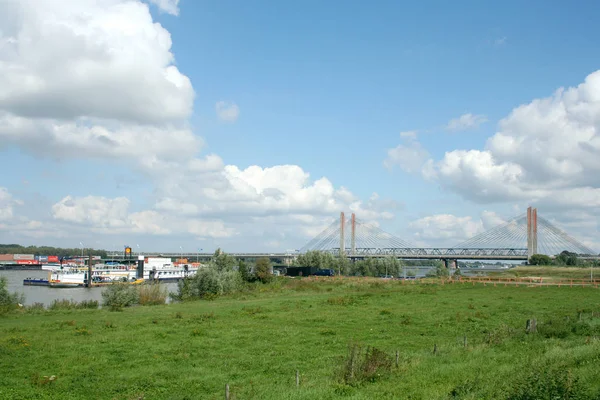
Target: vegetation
(540, 259)
(152, 294)
(8, 301)
(263, 270)
(359, 338)
(365, 267)
(549, 273)
(120, 295)
(48, 251)
(70, 305)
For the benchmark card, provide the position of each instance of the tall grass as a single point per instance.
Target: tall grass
(152, 294)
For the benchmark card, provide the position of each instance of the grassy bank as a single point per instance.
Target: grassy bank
(257, 340)
(549, 272)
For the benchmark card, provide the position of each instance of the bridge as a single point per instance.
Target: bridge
(515, 240)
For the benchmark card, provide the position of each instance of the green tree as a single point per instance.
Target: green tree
(540, 259)
(244, 271)
(566, 258)
(263, 270)
(223, 261)
(317, 259)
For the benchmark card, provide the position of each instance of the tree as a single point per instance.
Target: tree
(244, 271)
(540, 259)
(567, 258)
(262, 270)
(223, 261)
(317, 259)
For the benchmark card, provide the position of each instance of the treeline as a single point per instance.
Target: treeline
(365, 267)
(49, 251)
(565, 259)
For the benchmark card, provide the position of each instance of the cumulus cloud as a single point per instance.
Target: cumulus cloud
(466, 122)
(12, 224)
(228, 112)
(97, 79)
(449, 230)
(6, 204)
(168, 6)
(104, 215)
(545, 151)
(91, 76)
(410, 155)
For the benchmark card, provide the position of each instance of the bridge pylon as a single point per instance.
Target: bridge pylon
(532, 231)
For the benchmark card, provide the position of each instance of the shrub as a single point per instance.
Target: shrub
(62, 304)
(548, 383)
(262, 270)
(152, 294)
(244, 271)
(364, 365)
(8, 301)
(120, 295)
(209, 283)
(92, 304)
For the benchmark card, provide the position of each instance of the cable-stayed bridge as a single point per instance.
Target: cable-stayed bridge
(515, 240)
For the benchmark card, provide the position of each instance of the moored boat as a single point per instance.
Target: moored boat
(36, 282)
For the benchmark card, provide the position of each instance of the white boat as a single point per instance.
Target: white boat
(155, 269)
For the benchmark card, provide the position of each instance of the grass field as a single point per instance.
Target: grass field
(256, 341)
(550, 273)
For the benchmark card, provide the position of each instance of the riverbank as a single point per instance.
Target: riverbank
(255, 342)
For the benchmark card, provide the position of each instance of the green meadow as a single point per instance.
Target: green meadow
(354, 338)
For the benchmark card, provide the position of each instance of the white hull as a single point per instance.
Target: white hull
(156, 269)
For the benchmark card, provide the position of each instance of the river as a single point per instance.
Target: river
(46, 295)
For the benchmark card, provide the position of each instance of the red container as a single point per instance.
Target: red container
(53, 259)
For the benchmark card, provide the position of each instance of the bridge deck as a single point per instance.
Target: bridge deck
(359, 253)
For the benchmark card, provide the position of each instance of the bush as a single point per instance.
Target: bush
(209, 283)
(8, 301)
(548, 383)
(244, 271)
(151, 294)
(120, 295)
(364, 365)
(262, 270)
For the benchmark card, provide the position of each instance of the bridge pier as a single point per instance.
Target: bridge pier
(450, 263)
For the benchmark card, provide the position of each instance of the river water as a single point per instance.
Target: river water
(46, 295)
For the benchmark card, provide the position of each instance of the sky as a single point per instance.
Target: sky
(249, 126)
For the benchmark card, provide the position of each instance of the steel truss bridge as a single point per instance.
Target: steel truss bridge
(360, 253)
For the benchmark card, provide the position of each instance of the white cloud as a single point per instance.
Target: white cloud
(12, 224)
(449, 230)
(6, 204)
(168, 6)
(97, 79)
(228, 112)
(546, 152)
(90, 58)
(106, 215)
(410, 156)
(466, 122)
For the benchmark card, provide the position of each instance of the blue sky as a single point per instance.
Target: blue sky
(328, 87)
